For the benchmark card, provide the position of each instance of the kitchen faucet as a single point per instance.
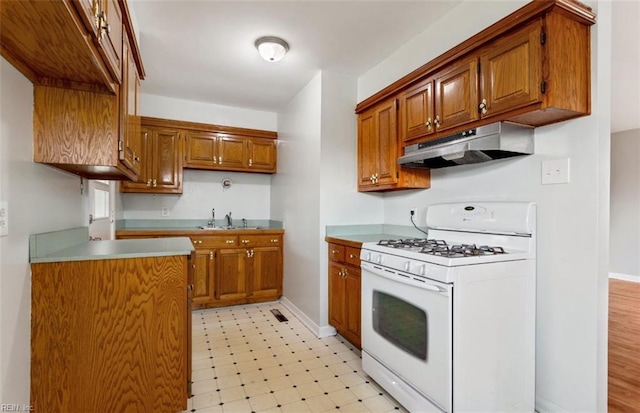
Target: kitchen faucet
(228, 218)
(244, 223)
(212, 221)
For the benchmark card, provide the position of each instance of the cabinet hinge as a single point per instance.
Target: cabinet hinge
(543, 87)
(543, 38)
(120, 146)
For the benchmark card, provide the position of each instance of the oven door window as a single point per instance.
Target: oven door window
(400, 323)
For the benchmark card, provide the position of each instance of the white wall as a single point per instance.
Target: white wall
(40, 199)
(295, 198)
(572, 218)
(248, 197)
(340, 201)
(180, 109)
(625, 204)
(625, 55)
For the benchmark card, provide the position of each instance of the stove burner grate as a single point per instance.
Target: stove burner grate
(462, 250)
(410, 242)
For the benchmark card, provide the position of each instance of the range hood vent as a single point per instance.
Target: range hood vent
(484, 143)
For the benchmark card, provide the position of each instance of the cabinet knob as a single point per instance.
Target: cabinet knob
(250, 162)
(220, 160)
(245, 241)
(148, 182)
(210, 255)
(437, 121)
(274, 240)
(334, 251)
(155, 183)
(352, 256)
(136, 158)
(215, 160)
(197, 241)
(229, 241)
(482, 107)
(428, 124)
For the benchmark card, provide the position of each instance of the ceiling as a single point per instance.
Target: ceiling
(204, 50)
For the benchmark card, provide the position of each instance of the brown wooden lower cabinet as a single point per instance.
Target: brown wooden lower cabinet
(345, 291)
(111, 335)
(237, 267)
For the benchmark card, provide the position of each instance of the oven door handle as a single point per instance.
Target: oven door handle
(406, 278)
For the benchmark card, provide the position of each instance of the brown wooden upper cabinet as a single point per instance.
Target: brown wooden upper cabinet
(161, 162)
(530, 68)
(511, 71)
(378, 148)
(229, 152)
(86, 80)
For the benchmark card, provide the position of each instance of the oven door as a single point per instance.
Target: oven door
(407, 328)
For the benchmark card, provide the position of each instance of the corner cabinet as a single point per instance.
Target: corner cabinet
(378, 148)
(344, 290)
(84, 111)
(161, 162)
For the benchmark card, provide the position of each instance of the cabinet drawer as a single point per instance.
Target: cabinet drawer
(336, 252)
(260, 240)
(352, 256)
(217, 241)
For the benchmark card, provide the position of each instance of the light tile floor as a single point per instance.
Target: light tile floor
(245, 360)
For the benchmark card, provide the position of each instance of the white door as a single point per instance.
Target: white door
(101, 210)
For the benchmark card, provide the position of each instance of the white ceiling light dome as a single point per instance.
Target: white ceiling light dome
(272, 49)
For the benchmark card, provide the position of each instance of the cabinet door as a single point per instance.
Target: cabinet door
(203, 277)
(144, 182)
(230, 279)
(167, 165)
(232, 152)
(352, 304)
(129, 120)
(417, 111)
(511, 71)
(337, 298)
(261, 154)
(88, 9)
(378, 145)
(264, 271)
(201, 150)
(110, 36)
(456, 95)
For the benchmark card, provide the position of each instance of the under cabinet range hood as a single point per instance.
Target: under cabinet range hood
(484, 143)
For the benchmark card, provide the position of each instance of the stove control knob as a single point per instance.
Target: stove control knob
(379, 259)
(407, 266)
(367, 257)
(423, 269)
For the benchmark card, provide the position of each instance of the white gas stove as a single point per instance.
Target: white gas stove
(448, 321)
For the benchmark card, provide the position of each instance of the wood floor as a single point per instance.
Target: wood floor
(624, 347)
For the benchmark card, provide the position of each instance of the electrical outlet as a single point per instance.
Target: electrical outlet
(165, 212)
(4, 219)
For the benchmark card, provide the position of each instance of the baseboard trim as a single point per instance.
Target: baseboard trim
(319, 331)
(545, 406)
(625, 277)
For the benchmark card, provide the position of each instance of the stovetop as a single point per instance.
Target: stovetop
(441, 248)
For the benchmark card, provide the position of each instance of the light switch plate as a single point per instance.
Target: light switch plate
(4, 219)
(164, 212)
(556, 171)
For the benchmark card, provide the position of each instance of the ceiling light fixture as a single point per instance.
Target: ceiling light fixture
(272, 48)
